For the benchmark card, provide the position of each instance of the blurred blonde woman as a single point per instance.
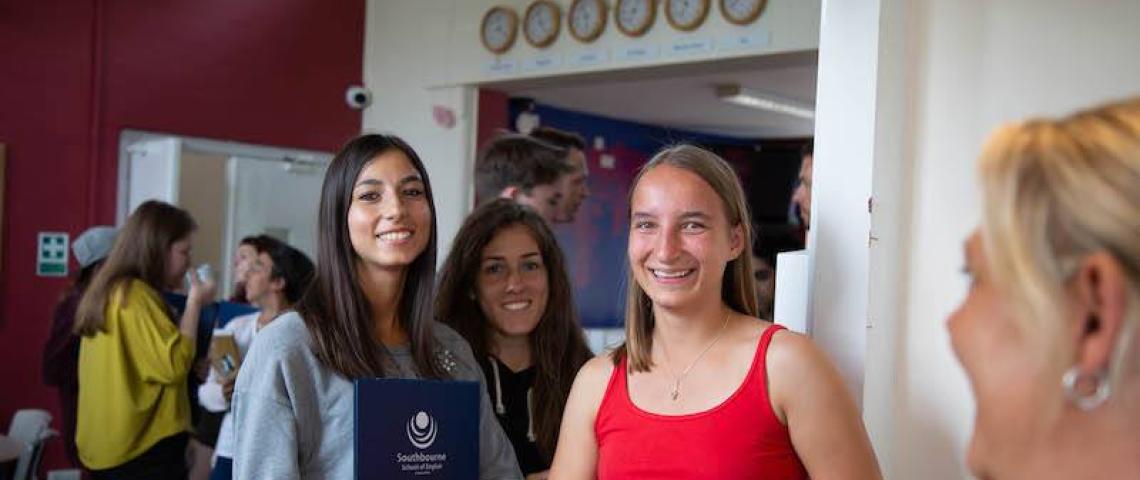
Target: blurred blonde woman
(1047, 331)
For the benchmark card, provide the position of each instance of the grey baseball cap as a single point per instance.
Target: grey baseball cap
(93, 244)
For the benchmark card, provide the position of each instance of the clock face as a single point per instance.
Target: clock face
(500, 26)
(686, 14)
(634, 17)
(741, 12)
(541, 23)
(587, 18)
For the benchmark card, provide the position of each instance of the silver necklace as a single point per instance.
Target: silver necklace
(675, 393)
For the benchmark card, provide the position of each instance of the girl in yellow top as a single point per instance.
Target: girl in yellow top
(133, 358)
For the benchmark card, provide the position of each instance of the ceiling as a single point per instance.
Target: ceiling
(682, 96)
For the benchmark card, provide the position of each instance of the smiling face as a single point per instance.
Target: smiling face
(512, 285)
(679, 238)
(1009, 379)
(389, 219)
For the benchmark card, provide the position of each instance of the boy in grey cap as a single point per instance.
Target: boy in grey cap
(61, 352)
(93, 245)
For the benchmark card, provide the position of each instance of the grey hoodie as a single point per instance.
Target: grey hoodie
(293, 417)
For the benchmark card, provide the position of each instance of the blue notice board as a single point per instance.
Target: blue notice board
(423, 429)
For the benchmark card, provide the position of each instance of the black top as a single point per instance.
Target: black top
(61, 367)
(514, 416)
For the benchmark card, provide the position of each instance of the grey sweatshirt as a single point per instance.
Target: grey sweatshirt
(293, 417)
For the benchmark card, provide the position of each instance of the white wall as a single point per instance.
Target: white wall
(149, 168)
(405, 48)
(841, 183)
(267, 197)
(973, 65)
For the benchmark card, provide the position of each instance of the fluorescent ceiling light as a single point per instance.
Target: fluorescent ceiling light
(748, 98)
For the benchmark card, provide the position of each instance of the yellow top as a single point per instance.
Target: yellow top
(132, 379)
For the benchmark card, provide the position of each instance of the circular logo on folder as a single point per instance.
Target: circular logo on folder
(421, 430)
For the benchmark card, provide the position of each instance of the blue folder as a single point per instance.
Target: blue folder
(423, 429)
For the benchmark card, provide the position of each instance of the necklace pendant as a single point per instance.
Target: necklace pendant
(675, 393)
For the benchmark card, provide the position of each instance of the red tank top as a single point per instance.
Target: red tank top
(738, 439)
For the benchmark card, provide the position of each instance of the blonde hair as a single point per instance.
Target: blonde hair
(1056, 190)
(738, 287)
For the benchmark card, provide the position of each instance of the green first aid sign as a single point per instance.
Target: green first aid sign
(51, 256)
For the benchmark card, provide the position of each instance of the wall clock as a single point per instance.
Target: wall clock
(586, 19)
(499, 28)
(541, 23)
(634, 17)
(686, 15)
(741, 12)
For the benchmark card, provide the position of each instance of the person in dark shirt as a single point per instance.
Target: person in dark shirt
(61, 351)
(505, 289)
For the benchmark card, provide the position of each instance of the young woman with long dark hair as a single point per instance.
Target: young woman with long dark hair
(504, 287)
(367, 314)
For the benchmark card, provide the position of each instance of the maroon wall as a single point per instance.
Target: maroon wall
(494, 116)
(75, 74)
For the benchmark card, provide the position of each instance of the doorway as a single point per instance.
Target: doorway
(232, 189)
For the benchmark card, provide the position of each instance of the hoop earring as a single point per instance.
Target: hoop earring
(1086, 401)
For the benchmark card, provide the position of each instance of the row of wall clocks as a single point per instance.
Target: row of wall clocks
(587, 19)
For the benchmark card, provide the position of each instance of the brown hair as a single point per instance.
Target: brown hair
(738, 287)
(334, 307)
(289, 264)
(514, 160)
(559, 138)
(557, 343)
(140, 252)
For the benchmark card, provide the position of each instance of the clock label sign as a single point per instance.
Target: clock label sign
(586, 58)
(541, 62)
(690, 46)
(500, 66)
(760, 38)
(637, 53)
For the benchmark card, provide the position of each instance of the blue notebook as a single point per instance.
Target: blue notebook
(423, 429)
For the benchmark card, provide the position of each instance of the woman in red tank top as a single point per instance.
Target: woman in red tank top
(702, 388)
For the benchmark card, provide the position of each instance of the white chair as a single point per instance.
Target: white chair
(31, 426)
(70, 474)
